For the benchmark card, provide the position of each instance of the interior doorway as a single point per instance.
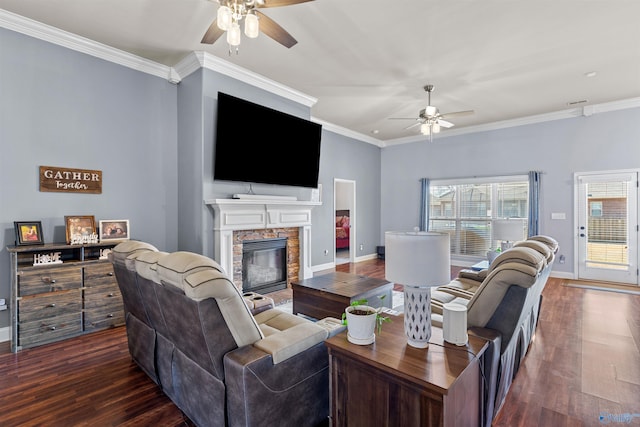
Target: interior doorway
(607, 235)
(344, 202)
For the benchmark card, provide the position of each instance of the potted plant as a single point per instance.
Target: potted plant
(363, 321)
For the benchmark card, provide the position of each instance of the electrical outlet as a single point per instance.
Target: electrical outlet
(561, 259)
(361, 247)
(326, 252)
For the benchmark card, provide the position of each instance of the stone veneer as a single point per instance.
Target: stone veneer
(293, 250)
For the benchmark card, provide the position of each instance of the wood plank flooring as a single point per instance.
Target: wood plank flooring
(584, 364)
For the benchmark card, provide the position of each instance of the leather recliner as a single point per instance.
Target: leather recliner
(220, 364)
(503, 304)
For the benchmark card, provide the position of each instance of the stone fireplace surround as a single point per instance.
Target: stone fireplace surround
(236, 220)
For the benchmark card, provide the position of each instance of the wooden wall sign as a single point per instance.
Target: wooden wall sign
(67, 180)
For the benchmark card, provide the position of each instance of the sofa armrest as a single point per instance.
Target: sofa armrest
(289, 342)
(254, 383)
(490, 364)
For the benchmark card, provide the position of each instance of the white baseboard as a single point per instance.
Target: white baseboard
(5, 334)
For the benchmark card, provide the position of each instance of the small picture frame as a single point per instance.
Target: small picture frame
(114, 230)
(81, 229)
(28, 233)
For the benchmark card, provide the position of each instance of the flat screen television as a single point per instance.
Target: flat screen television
(257, 144)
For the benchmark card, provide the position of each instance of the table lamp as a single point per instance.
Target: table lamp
(508, 231)
(417, 260)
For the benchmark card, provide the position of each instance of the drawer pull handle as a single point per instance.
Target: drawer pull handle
(110, 273)
(110, 315)
(52, 328)
(110, 294)
(53, 304)
(48, 280)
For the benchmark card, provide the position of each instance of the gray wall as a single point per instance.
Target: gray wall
(601, 142)
(340, 157)
(62, 108)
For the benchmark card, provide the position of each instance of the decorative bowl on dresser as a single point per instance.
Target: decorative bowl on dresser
(59, 291)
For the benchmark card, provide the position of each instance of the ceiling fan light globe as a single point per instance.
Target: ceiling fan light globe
(223, 18)
(425, 129)
(430, 110)
(435, 128)
(233, 34)
(251, 26)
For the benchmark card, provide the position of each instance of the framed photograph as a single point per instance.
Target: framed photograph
(114, 230)
(28, 233)
(80, 229)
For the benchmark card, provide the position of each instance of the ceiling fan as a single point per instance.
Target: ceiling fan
(231, 12)
(430, 119)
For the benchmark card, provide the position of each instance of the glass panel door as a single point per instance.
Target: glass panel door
(607, 227)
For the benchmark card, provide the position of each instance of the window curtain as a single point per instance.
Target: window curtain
(424, 204)
(534, 203)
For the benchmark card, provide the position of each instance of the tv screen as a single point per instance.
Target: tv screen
(261, 145)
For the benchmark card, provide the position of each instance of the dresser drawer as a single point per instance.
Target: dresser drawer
(47, 330)
(44, 306)
(40, 280)
(99, 275)
(103, 317)
(102, 296)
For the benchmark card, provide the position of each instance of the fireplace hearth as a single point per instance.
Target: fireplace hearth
(264, 265)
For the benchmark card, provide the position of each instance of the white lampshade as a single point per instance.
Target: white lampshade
(509, 230)
(251, 26)
(436, 127)
(224, 18)
(425, 129)
(233, 34)
(418, 259)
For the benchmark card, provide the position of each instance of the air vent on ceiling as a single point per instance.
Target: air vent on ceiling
(571, 103)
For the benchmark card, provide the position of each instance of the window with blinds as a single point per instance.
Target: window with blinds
(466, 209)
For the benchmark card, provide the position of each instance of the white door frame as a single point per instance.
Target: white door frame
(352, 216)
(582, 270)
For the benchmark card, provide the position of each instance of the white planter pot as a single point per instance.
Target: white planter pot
(361, 328)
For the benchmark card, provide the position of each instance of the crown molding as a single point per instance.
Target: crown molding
(40, 31)
(585, 111)
(348, 132)
(200, 59)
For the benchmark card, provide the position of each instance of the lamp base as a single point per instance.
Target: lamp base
(417, 316)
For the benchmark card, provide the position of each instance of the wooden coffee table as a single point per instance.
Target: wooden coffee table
(329, 294)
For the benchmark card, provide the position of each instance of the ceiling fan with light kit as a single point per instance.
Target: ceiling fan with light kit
(430, 119)
(231, 12)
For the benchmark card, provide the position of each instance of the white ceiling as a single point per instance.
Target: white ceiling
(367, 61)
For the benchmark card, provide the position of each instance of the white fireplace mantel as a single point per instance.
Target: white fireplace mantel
(255, 214)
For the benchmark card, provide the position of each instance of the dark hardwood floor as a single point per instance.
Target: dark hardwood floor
(583, 364)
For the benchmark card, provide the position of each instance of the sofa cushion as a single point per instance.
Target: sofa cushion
(123, 250)
(522, 255)
(538, 246)
(487, 298)
(175, 267)
(145, 264)
(211, 283)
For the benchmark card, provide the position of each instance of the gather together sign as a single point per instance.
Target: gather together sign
(67, 180)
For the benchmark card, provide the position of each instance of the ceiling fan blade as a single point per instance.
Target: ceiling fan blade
(402, 118)
(413, 125)
(278, 3)
(275, 31)
(457, 114)
(445, 124)
(213, 33)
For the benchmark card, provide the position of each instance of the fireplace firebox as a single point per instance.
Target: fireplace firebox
(264, 265)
